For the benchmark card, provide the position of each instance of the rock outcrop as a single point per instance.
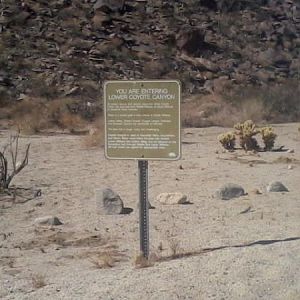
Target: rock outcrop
(69, 48)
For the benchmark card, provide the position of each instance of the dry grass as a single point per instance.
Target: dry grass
(95, 138)
(103, 261)
(36, 115)
(31, 120)
(45, 238)
(228, 114)
(141, 261)
(286, 160)
(278, 103)
(174, 245)
(38, 281)
(106, 259)
(213, 110)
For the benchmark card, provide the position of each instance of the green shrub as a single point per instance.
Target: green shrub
(268, 137)
(227, 140)
(246, 132)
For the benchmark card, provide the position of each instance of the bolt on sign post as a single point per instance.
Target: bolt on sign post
(142, 122)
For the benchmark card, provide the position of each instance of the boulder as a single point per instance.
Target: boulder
(108, 5)
(190, 40)
(109, 202)
(276, 186)
(48, 220)
(210, 4)
(172, 198)
(229, 191)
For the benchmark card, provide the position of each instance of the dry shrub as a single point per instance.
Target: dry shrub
(38, 281)
(36, 115)
(28, 115)
(226, 116)
(143, 262)
(70, 121)
(174, 247)
(58, 114)
(229, 114)
(95, 138)
(286, 160)
(195, 111)
(104, 260)
(213, 110)
(225, 107)
(279, 103)
(252, 109)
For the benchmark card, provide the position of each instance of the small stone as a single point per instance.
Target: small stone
(22, 97)
(290, 167)
(109, 202)
(291, 151)
(48, 220)
(256, 192)
(172, 198)
(276, 186)
(229, 191)
(108, 5)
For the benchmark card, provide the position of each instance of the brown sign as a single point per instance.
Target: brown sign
(142, 119)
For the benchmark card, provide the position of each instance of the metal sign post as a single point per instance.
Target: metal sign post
(144, 207)
(142, 122)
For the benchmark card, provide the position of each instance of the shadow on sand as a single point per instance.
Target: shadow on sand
(211, 249)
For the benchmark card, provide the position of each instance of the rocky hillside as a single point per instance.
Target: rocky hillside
(68, 48)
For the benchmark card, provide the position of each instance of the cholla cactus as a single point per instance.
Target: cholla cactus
(268, 137)
(227, 140)
(246, 132)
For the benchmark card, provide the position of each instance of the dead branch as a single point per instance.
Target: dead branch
(13, 148)
(17, 169)
(3, 170)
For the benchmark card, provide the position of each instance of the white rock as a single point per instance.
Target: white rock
(172, 198)
(291, 151)
(47, 220)
(290, 167)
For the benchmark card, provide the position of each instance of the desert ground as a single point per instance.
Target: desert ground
(243, 248)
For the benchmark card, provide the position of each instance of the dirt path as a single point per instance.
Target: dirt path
(245, 248)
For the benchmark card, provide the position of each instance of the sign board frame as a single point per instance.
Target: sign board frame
(178, 121)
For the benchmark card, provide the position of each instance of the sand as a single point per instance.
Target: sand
(243, 248)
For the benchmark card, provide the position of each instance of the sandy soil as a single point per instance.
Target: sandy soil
(225, 254)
